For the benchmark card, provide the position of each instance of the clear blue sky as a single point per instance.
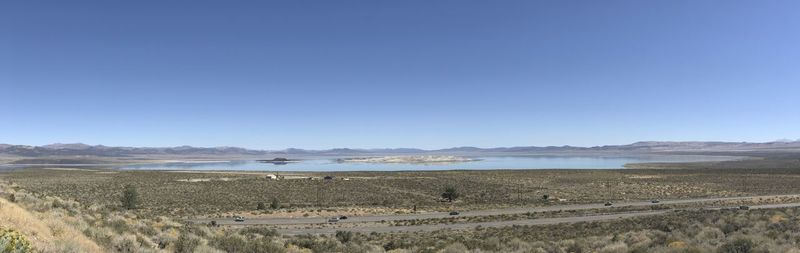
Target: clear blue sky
(428, 74)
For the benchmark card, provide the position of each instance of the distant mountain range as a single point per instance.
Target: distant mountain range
(80, 149)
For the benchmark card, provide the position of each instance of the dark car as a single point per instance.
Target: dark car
(655, 201)
(744, 208)
(238, 218)
(342, 217)
(454, 213)
(607, 204)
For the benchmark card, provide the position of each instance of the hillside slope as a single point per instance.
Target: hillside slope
(46, 232)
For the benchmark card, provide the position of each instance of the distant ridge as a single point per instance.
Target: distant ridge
(80, 149)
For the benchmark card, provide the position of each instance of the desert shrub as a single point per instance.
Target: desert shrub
(12, 241)
(146, 229)
(317, 246)
(344, 236)
(364, 248)
(741, 245)
(710, 234)
(118, 224)
(101, 235)
(229, 242)
(264, 245)
(577, 247)
(125, 244)
(68, 245)
(57, 203)
(207, 249)
(491, 244)
(260, 230)
(186, 243)
(518, 245)
(618, 247)
(163, 240)
(261, 206)
(196, 229)
(455, 248)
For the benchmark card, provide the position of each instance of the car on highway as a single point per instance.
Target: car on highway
(655, 201)
(334, 219)
(238, 218)
(607, 204)
(342, 217)
(744, 208)
(454, 213)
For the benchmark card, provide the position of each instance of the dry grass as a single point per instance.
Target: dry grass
(46, 231)
(54, 224)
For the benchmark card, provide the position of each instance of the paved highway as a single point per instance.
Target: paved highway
(488, 212)
(542, 221)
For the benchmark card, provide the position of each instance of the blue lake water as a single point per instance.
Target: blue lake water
(485, 163)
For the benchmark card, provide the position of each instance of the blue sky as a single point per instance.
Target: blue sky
(428, 74)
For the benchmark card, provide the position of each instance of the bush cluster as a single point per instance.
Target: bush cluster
(12, 241)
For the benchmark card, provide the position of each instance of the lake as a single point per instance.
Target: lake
(485, 163)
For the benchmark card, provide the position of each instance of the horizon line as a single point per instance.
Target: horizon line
(784, 140)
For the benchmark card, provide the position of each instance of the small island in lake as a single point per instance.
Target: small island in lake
(278, 161)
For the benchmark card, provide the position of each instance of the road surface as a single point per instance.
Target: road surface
(488, 212)
(527, 222)
(434, 227)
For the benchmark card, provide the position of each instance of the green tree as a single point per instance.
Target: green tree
(275, 204)
(261, 206)
(450, 193)
(130, 197)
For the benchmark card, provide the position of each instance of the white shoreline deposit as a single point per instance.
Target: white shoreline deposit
(409, 159)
